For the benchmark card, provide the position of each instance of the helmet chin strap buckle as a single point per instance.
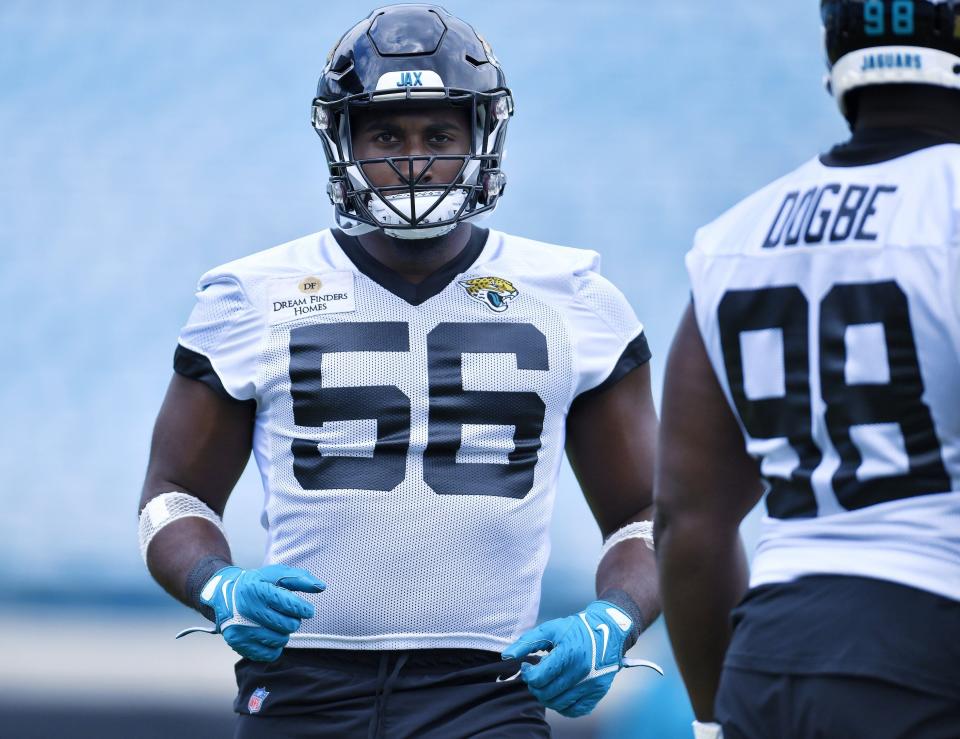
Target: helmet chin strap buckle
(493, 185)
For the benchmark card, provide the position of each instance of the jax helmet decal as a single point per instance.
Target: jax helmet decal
(880, 42)
(411, 55)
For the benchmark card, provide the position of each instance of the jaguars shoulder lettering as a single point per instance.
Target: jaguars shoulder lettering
(843, 368)
(414, 436)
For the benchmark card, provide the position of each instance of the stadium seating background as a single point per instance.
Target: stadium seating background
(143, 143)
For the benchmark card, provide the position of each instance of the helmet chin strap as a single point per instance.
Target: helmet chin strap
(352, 227)
(446, 209)
(416, 234)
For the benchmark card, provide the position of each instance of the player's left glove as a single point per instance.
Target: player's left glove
(585, 654)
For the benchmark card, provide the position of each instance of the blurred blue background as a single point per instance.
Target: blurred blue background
(142, 143)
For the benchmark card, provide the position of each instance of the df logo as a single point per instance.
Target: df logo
(310, 285)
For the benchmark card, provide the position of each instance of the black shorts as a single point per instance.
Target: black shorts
(758, 705)
(446, 693)
(845, 657)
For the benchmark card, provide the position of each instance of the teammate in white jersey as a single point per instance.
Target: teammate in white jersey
(819, 361)
(408, 384)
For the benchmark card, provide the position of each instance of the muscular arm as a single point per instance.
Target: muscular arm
(611, 442)
(706, 484)
(201, 443)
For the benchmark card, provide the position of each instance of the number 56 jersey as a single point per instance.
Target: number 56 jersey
(829, 304)
(409, 437)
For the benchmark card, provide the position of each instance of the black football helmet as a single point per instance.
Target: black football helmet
(412, 55)
(879, 42)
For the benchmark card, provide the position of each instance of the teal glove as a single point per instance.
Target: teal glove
(255, 610)
(585, 654)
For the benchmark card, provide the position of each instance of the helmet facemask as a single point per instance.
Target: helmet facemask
(416, 205)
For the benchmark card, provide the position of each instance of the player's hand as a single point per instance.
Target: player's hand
(256, 611)
(585, 653)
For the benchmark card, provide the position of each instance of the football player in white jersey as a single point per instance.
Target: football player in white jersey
(408, 383)
(819, 362)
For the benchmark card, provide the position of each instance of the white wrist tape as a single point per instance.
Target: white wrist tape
(637, 530)
(167, 508)
(707, 730)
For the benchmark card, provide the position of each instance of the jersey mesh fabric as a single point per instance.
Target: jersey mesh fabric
(913, 538)
(225, 328)
(213, 313)
(455, 561)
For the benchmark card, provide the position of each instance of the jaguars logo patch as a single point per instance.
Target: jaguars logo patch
(493, 292)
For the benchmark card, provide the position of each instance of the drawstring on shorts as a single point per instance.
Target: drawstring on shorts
(385, 685)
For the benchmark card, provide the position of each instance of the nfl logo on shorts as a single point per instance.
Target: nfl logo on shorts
(256, 700)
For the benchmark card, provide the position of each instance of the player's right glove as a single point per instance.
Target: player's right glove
(255, 610)
(585, 654)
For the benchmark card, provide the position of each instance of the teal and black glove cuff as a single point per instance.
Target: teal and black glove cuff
(199, 576)
(622, 600)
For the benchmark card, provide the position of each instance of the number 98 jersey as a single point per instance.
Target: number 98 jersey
(829, 304)
(409, 437)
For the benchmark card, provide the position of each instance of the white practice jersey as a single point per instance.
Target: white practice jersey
(410, 436)
(829, 304)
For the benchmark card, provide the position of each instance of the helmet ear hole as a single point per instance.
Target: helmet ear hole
(344, 65)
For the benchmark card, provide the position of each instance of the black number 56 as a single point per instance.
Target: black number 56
(450, 406)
